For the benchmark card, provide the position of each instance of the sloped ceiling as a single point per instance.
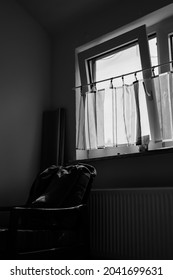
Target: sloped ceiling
(57, 14)
(52, 14)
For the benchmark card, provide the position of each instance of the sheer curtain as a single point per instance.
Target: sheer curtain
(163, 98)
(114, 116)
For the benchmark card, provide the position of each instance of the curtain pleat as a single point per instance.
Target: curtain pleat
(114, 112)
(138, 122)
(100, 97)
(130, 113)
(166, 106)
(90, 121)
(163, 99)
(121, 131)
(108, 118)
(80, 125)
(144, 119)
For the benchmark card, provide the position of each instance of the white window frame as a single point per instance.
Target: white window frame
(162, 30)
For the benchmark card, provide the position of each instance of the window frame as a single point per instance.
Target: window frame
(162, 34)
(170, 43)
(138, 34)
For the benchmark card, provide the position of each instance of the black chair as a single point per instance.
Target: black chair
(53, 224)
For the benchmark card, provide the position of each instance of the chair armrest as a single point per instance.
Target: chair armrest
(36, 209)
(8, 208)
(45, 218)
(5, 208)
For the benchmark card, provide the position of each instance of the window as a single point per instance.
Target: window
(120, 62)
(130, 52)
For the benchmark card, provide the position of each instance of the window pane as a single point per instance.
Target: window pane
(119, 63)
(122, 62)
(153, 53)
(171, 49)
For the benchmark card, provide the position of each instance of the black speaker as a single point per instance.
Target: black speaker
(53, 138)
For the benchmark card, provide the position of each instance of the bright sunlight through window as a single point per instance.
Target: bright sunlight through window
(121, 62)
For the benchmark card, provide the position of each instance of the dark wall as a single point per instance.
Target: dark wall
(24, 93)
(149, 170)
(132, 171)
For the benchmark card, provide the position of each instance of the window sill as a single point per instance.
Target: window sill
(166, 148)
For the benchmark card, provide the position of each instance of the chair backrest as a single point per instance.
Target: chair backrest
(60, 186)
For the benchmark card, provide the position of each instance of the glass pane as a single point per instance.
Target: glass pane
(123, 62)
(119, 63)
(153, 53)
(171, 50)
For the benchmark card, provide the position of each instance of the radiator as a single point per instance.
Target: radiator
(131, 223)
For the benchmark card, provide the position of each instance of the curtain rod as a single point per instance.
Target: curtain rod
(122, 76)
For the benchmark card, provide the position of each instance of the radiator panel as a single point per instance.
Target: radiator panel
(131, 223)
